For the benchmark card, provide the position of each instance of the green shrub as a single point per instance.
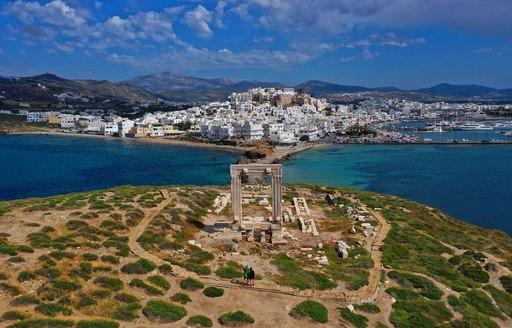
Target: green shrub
(25, 300)
(97, 324)
(49, 273)
(367, 307)
(126, 298)
(109, 283)
(52, 309)
(165, 269)
(43, 323)
(506, 282)
(213, 292)
(420, 312)
(126, 312)
(148, 288)
(181, 298)
(76, 224)
(502, 299)
(110, 259)
(164, 311)
(191, 284)
(26, 275)
(101, 293)
(13, 315)
(311, 309)
(358, 320)
(159, 281)
(237, 318)
(428, 289)
(65, 285)
(474, 272)
(139, 267)
(199, 321)
(89, 257)
(84, 301)
(481, 302)
(229, 272)
(13, 290)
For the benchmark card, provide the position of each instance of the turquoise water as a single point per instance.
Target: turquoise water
(38, 166)
(472, 183)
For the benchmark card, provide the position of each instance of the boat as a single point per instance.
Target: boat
(474, 127)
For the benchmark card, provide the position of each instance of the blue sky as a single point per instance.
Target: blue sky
(403, 43)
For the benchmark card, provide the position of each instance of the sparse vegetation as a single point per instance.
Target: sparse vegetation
(139, 267)
(358, 320)
(181, 298)
(191, 284)
(97, 324)
(199, 321)
(234, 319)
(311, 309)
(213, 292)
(163, 311)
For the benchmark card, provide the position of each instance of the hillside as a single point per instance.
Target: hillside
(44, 87)
(144, 256)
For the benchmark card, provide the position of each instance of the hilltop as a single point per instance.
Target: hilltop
(144, 256)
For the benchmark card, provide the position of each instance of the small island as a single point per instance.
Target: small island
(159, 256)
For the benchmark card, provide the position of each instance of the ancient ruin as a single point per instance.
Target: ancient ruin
(260, 228)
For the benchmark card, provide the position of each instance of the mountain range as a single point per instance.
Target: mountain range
(173, 86)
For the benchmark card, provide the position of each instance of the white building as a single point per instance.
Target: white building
(37, 117)
(109, 129)
(252, 131)
(67, 121)
(123, 127)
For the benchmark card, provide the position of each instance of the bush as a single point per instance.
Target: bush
(474, 272)
(229, 272)
(52, 309)
(13, 290)
(502, 299)
(90, 257)
(312, 309)
(43, 323)
(26, 275)
(367, 307)
(237, 318)
(125, 298)
(181, 298)
(139, 267)
(428, 289)
(100, 293)
(85, 301)
(110, 259)
(358, 320)
(97, 324)
(148, 288)
(191, 284)
(213, 292)
(402, 293)
(199, 321)
(25, 300)
(164, 311)
(481, 302)
(76, 224)
(159, 281)
(126, 312)
(109, 283)
(165, 269)
(13, 315)
(506, 282)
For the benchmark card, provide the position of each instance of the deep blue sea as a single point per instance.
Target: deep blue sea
(472, 183)
(39, 165)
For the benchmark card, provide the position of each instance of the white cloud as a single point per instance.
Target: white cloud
(264, 39)
(56, 13)
(98, 5)
(191, 58)
(198, 20)
(482, 51)
(2, 52)
(366, 54)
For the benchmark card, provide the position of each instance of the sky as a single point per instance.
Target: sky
(373, 43)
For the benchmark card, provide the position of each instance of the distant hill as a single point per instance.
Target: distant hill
(182, 87)
(43, 87)
(471, 90)
(321, 87)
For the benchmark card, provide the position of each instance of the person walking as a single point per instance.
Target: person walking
(252, 275)
(246, 275)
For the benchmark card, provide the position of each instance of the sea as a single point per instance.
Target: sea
(471, 183)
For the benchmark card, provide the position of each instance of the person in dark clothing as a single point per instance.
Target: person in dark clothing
(252, 275)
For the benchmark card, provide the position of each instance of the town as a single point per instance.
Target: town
(282, 116)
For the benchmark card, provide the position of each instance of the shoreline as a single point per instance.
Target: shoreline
(278, 155)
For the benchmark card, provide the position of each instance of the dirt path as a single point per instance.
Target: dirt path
(135, 233)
